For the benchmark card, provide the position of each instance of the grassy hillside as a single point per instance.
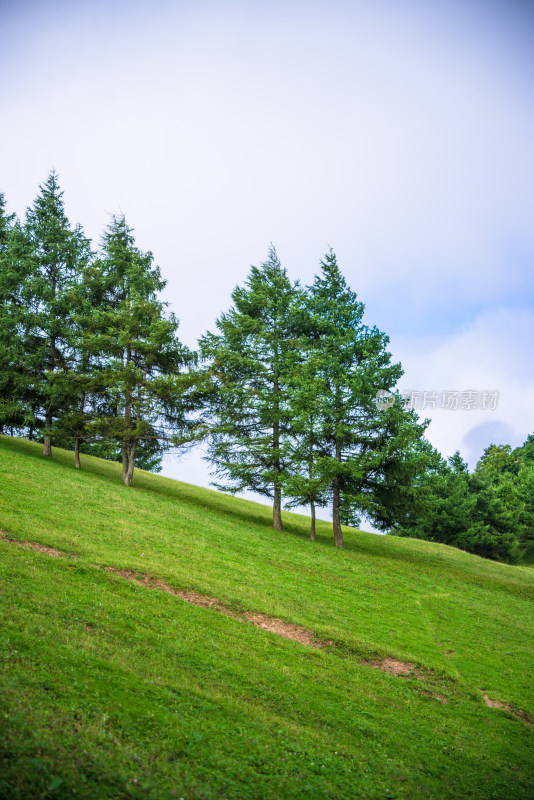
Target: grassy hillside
(113, 689)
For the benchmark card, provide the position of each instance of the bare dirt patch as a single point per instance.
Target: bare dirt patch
(395, 667)
(517, 712)
(189, 596)
(50, 551)
(495, 703)
(286, 629)
(39, 548)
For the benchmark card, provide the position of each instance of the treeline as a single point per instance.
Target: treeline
(283, 395)
(489, 512)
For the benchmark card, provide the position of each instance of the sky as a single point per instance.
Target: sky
(399, 133)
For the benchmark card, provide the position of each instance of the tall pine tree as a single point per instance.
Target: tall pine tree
(44, 258)
(137, 358)
(362, 452)
(10, 410)
(249, 361)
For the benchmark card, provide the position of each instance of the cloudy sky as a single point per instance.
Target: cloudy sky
(401, 133)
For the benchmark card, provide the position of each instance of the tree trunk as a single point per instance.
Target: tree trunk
(77, 439)
(47, 447)
(277, 504)
(125, 460)
(126, 447)
(277, 509)
(128, 461)
(338, 533)
(312, 529)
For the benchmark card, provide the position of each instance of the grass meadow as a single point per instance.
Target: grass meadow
(110, 689)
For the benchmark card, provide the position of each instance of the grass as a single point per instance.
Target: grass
(109, 689)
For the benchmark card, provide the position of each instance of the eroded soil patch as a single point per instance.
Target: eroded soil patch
(285, 629)
(517, 712)
(279, 626)
(39, 548)
(288, 630)
(395, 667)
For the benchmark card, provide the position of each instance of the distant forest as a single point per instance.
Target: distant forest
(283, 396)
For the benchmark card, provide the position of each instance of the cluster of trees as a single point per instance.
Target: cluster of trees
(283, 394)
(489, 511)
(89, 356)
(292, 409)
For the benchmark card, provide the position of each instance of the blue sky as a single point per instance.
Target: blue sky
(399, 133)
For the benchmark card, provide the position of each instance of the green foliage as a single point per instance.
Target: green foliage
(295, 376)
(130, 341)
(357, 452)
(469, 511)
(511, 473)
(249, 364)
(11, 352)
(89, 357)
(40, 269)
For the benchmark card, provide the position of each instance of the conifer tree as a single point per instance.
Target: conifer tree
(10, 415)
(476, 512)
(137, 380)
(44, 257)
(363, 453)
(249, 361)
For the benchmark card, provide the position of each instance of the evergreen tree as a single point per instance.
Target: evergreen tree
(45, 255)
(141, 394)
(469, 511)
(10, 411)
(365, 455)
(511, 473)
(249, 363)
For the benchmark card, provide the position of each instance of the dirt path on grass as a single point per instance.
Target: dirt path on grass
(280, 627)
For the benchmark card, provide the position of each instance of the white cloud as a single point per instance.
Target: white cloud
(401, 136)
(494, 352)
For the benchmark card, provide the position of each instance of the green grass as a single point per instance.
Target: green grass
(109, 689)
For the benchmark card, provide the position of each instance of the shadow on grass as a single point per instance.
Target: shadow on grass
(226, 505)
(259, 517)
